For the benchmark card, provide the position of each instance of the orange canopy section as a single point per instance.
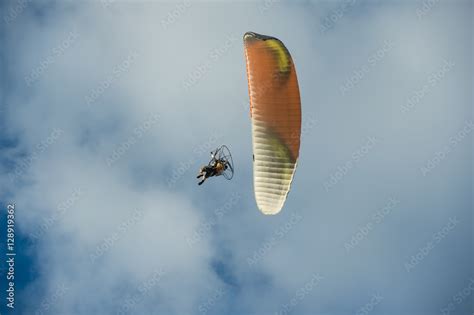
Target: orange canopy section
(275, 109)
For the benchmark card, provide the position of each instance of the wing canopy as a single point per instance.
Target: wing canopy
(275, 110)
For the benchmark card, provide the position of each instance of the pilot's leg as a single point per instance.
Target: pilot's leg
(203, 179)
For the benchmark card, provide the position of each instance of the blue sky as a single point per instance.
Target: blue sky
(108, 109)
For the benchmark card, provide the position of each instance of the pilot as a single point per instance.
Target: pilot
(215, 168)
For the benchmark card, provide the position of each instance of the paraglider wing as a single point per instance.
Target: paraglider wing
(275, 110)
